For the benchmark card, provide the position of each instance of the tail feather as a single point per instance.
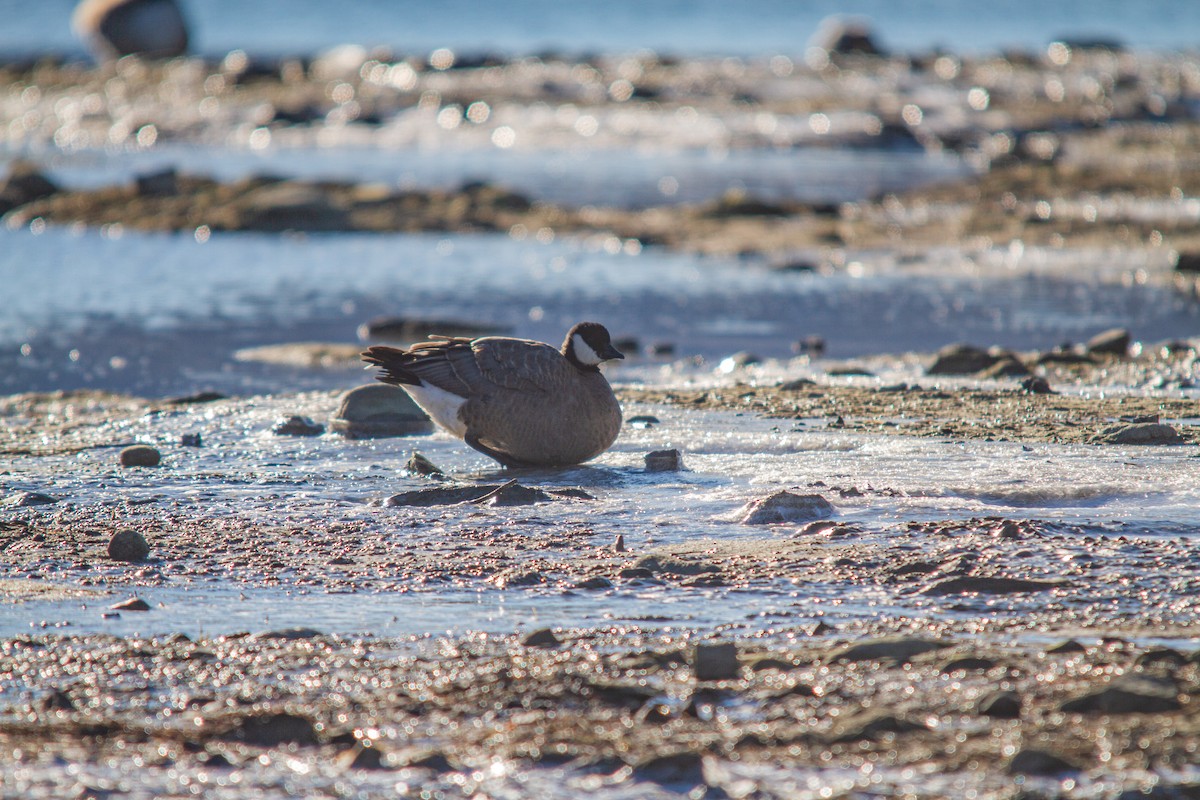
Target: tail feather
(392, 360)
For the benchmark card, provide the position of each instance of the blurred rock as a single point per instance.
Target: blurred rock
(115, 28)
(297, 425)
(1030, 761)
(406, 330)
(377, 411)
(140, 455)
(1139, 433)
(24, 184)
(841, 35)
(29, 500)
(128, 545)
(664, 461)
(1114, 341)
(784, 506)
(961, 359)
(420, 465)
(1009, 366)
(157, 184)
(715, 661)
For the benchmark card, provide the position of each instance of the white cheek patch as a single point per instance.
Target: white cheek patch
(584, 352)
(441, 406)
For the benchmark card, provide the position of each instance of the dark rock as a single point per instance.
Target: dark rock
(1161, 656)
(1036, 385)
(797, 385)
(418, 464)
(193, 399)
(157, 184)
(715, 661)
(287, 206)
(513, 494)
(128, 545)
(378, 410)
(288, 635)
(627, 345)
(1188, 261)
(662, 349)
(810, 345)
(967, 664)
(840, 35)
(1000, 704)
(23, 184)
(190, 440)
(1144, 433)
(543, 637)
(57, 700)
(1007, 367)
(1114, 341)
(594, 583)
(989, 585)
(361, 756)
(871, 725)
(115, 28)
(670, 565)
(1031, 761)
(29, 500)
(1068, 647)
(516, 578)
(736, 203)
(445, 495)
(740, 359)
(1064, 356)
(664, 461)
(643, 421)
(681, 768)
(783, 507)
(900, 649)
(271, 729)
(1128, 694)
(132, 604)
(140, 455)
(961, 359)
(635, 573)
(296, 425)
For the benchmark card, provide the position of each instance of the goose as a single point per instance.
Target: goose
(520, 402)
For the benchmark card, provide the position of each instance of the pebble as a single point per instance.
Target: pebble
(1031, 761)
(981, 584)
(1068, 647)
(1114, 341)
(132, 604)
(664, 461)
(29, 500)
(715, 661)
(784, 506)
(961, 359)
(140, 455)
(128, 545)
(542, 637)
(297, 425)
(1146, 433)
(274, 728)
(1036, 385)
(190, 440)
(376, 411)
(57, 700)
(1001, 704)
(420, 465)
(901, 649)
(1128, 694)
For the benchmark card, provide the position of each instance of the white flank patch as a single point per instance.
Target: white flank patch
(441, 406)
(584, 352)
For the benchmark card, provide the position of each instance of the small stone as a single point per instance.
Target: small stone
(899, 649)
(57, 700)
(24, 183)
(684, 768)
(1036, 385)
(810, 345)
(784, 506)
(967, 664)
(842, 35)
(513, 494)
(140, 455)
(1146, 433)
(420, 465)
(297, 425)
(1161, 656)
(1114, 341)
(543, 637)
(128, 545)
(664, 461)
(1001, 704)
(594, 583)
(132, 604)
(270, 729)
(980, 584)
(1030, 761)
(361, 756)
(160, 183)
(662, 349)
(797, 385)
(1007, 367)
(377, 411)
(29, 500)
(961, 359)
(288, 634)
(619, 544)
(1128, 694)
(1068, 647)
(717, 661)
(190, 440)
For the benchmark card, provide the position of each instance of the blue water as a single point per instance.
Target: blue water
(683, 27)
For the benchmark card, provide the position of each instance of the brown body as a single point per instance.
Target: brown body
(521, 402)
